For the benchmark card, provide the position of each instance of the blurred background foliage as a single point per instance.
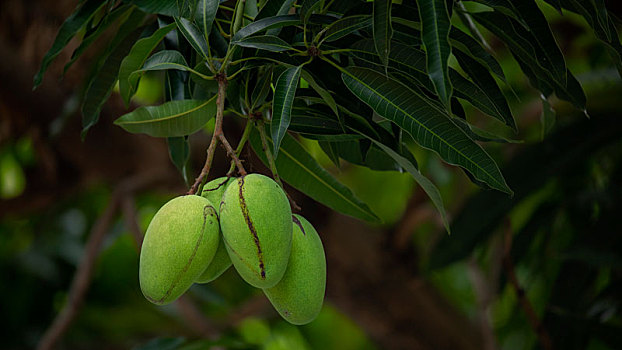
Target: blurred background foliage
(566, 242)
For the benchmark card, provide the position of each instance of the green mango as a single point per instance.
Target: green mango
(180, 241)
(213, 191)
(299, 296)
(256, 224)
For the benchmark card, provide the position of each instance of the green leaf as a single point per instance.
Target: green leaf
(103, 81)
(324, 94)
(274, 8)
(428, 186)
(170, 119)
(330, 150)
(162, 7)
(265, 42)
(284, 93)
(162, 60)
(345, 26)
(265, 24)
(428, 125)
(381, 28)
(68, 30)
(179, 151)
(206, 13)
(194, 36)
(136, 58)
(122, 12)
(547, 118)
(262, 89)
(308, 7)
(435, 27)
(463, 42)
(299, 169)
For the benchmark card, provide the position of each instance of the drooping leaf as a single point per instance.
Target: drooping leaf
(136, 58)
(463, 42)
(170, 119)
(307, 8)
(206, 13)
(381, 28)
(122, 12)
(103, 81)
(429, 126)
(345, 26)
(284, 93)
(179, 151)
(428, 186)
(265, 24)
(68, 30)
(194, 36)
(331, 152)
(273, 8)
(435, 27)
(299, 169)
(265, 42)
(324, 94)
(262, 89)
(162, 60)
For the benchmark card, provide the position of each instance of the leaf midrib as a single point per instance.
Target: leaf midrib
(167, 117)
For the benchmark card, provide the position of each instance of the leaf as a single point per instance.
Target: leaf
(547, 118)
(76, 21)
(284, 93)
(325, 95)
(262, 89)
(122, 11)
(274, 8)
(495, 102)
(307, 8)
(299, 169)
(381, 28)
(206, 13)
(170, 119)
(463, 42)
(331, 151)
(435, 27)
(428, 186)
(194, 36)
(162, 60)
(103, 81)
(345, 26)
(265, 42)
(136, 58)
(429, 126)
(162, 7)
(265, 24)
(179, 151)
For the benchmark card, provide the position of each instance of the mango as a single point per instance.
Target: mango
(180, 241)
(299, 296)
(255, 219)
(213, 191)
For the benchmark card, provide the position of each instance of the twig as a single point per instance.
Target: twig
(238, 150)
(84, 273)
(526, 305)
(82, 278)
(275, 174)
(218, 136)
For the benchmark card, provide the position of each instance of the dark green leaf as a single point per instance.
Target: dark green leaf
(428, 125)
(382, 29)
(331, 151)
(345, 26)
(136, 58)
(170, 119)
(284, 93)
(265, 24)
(308, 7)
(463, 42)
(194, 36)
(163, 7)
(435, 35)
(299, 169)
(70, 27)
(162, 60)
(206, 13)
(265, 42)
(274, 8)
(326, 96)
(262, 89)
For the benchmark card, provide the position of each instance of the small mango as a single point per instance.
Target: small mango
(180, 241)
(256, 224)
(213, 191)
(299, 296)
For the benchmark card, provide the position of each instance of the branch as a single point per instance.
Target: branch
(218, 136)
(526, 305)
(84, 273)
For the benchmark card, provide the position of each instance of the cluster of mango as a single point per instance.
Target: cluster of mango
(191, 240)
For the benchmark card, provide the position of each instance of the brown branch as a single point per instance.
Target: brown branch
(84, 273)
(217, 136)
(82, 278)
(525, 304)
